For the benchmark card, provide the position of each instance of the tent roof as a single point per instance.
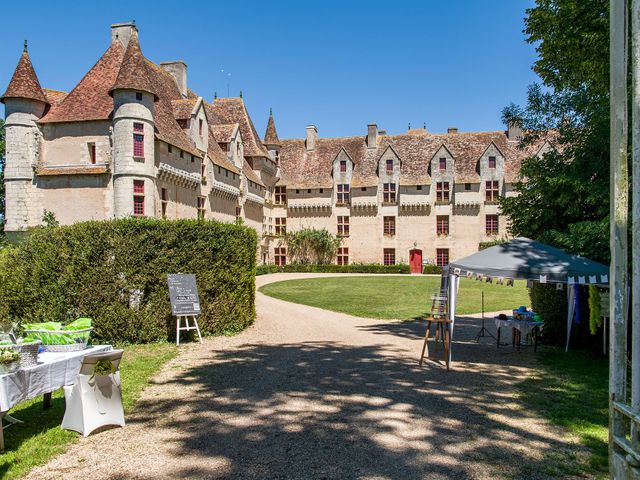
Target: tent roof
(523, 258)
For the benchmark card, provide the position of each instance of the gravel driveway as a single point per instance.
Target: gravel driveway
(310, 394)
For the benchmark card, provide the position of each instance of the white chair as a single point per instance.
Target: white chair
(94, 401)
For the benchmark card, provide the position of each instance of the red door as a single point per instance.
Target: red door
(415, 261)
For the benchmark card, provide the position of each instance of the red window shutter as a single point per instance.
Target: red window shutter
(138, 145)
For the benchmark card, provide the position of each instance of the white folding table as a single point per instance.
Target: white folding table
(53, 371)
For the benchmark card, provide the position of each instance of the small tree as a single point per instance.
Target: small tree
(310, 245)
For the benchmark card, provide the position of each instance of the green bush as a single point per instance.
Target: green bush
(332, 268)
(115, 272)
(491, 243)
(432, 269)
(551, 304)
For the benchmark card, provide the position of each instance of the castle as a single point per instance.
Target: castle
(131, 139)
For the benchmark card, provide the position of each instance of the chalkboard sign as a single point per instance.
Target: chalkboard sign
(183, 294)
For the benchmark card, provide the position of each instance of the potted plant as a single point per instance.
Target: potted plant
(9, 359)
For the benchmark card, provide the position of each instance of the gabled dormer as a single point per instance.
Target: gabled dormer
(199, 125)
(229, 139)
(388, 167)
(442, 164)
(342, 170)
(491, 163)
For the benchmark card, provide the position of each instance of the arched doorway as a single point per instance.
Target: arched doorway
(415, 260)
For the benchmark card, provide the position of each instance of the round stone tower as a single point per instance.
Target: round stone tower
(25, 103)
(133, 136)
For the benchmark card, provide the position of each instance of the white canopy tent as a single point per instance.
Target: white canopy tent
(525, 259)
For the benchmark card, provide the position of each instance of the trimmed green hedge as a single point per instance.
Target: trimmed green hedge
(352, 268)
(115, 272)
(432, 269)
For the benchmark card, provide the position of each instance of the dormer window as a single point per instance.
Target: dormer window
(492, 162)
(390, 165)
(443, 164)
(343, 166)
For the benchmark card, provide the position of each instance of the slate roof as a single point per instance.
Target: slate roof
(416, 149)
(271, 135)
(233, 110)
(24, 82)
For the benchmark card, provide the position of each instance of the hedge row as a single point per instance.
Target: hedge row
(352, 268)
(115, 272)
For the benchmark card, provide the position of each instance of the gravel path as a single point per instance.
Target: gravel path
(310, 394)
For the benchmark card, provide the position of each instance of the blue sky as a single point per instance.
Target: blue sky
(338, 65)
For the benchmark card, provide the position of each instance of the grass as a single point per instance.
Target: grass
(571, 390)
(40, 437)
(393, 297)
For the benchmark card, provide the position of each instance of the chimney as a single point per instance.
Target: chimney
(178, 71)
(514, 132)
(312, 136)
(372, 135)
(123, 32)
(452, 130)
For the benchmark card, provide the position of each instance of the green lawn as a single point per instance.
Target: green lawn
(571, 390)
(40, 437)
(391, 297)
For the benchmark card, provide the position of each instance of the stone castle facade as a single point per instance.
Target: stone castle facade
(131, 139)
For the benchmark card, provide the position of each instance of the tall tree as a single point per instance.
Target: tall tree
(564, 197)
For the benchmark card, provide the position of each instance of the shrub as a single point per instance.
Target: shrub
(95, 269)
(432, 269)
(312, 246)
(332, 268)
(551, 304)
(491, 243)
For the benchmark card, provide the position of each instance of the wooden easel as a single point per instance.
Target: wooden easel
(439, 316)
(187, 327)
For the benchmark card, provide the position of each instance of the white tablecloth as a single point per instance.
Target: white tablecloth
(54, 371)
(523, 326)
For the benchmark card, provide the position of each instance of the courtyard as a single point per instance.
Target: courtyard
(310, 393)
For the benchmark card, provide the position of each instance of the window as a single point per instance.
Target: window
(297, 191)
(363, 189)
(492, 225)
(192, 158)
(164, 201)
(492, 162)
(389, 193)
(467, 187)
(443, 163)
(200, 127)
(203, 168)
(322, 190)
(238, 213)
(389, 165)
(308, 190)
(181, 154)
(138, 197)
(139, 96)
(442, 192)
(343, 226)
(138, 139)
(343, 256)
(389, 225)
(342, 196)
(281, 195)
(418, 187)
(442, 225)
(280, 255)
(389, 256)
(281, 226)
(170, 148)
(442, 257)
(492, 189)
(200, 208)
(92, 152)
(343, 165)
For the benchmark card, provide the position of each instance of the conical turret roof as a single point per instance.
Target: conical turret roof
(24, 83)
(271, 136)
(133, 73)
